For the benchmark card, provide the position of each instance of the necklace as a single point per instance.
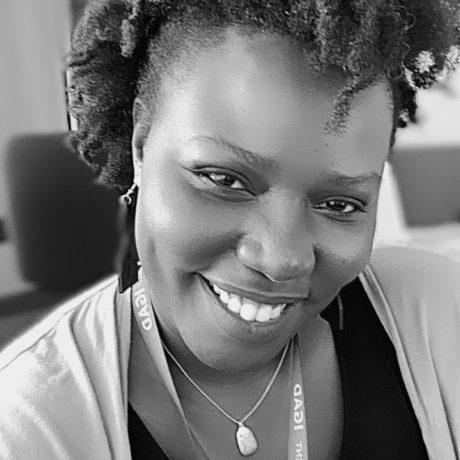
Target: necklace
(245, 438)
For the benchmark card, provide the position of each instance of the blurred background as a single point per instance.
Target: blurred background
(58, 229)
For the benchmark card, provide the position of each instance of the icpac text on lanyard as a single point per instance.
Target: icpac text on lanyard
(298, 447)
(142, 308)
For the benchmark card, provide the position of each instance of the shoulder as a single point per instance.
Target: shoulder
(51, 373)
(416, 295)
(417, 290)
(413, 272)
(71, 316)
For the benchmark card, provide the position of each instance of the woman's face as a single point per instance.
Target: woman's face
(241, 188)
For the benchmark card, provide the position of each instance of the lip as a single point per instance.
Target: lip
(255, 296)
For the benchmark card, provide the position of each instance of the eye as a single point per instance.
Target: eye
(340, 206)
(222, 180)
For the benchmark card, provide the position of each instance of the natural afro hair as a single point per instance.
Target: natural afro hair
(411, 43)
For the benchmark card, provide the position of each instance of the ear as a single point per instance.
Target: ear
(138, 139)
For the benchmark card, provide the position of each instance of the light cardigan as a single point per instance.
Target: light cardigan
(63, 385)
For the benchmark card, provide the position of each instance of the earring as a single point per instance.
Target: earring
(339, 300)
(127, 260)
(128, 196)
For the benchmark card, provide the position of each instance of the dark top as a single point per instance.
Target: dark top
(379, 421)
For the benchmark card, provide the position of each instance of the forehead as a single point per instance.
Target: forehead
(259, 93)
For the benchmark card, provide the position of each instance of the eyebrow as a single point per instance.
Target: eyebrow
(344, 180)
(247, 156)
(243, 154)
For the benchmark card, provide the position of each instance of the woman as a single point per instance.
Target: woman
(248, 139)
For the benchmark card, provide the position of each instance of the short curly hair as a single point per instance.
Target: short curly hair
(118, 43)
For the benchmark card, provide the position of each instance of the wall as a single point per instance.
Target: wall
(429, 182)
(427, 157)
(34, 38)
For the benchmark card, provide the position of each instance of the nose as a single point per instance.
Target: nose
(281, 251)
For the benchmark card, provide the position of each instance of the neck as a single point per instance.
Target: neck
(234, 391)
(205, 375)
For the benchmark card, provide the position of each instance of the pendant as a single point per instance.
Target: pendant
(246, 441)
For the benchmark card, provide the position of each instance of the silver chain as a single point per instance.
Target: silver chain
(256, 405)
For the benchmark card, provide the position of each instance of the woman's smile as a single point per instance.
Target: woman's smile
(245, 318)
(252, 307)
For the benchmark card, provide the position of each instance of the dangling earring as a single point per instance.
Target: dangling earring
(127, 198)
(339, 300)
(127, 260)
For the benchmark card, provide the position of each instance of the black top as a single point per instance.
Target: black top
(379, 421)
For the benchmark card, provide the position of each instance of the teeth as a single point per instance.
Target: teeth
(276, 312)
(248, 309)
(224, 296)
(234, 303)
(264, 314)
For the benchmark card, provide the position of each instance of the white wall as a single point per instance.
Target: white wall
(34, 39)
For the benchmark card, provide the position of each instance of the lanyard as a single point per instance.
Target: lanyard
(297, 440)
(298, 446)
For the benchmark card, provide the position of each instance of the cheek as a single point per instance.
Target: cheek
(342, 256)
(175, 227)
